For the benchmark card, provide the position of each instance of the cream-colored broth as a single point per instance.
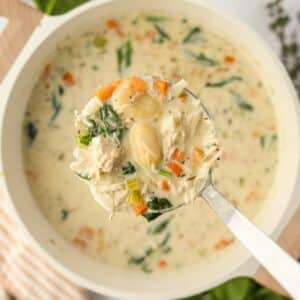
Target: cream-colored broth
(243, 116)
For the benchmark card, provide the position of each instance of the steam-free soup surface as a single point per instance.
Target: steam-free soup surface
(174, 47)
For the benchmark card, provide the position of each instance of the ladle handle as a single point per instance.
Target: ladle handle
(279, 263)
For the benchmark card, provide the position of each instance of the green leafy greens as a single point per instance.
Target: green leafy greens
(241, 288)
(223, 82)
(124, 56)
(56, 107)
(201, 58)
(31, 131)
(57, 7)
(128, 169)
(156, 204)
(64, 214)
(162, 34)
(192, 36)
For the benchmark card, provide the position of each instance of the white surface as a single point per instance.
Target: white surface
(252, 13)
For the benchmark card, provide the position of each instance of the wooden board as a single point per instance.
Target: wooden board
(22, 21)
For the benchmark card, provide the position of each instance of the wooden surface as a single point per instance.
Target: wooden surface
(22, 21)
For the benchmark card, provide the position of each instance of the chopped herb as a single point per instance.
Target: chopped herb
(85, 177)
(136, 260)
(56, 106)
(31, 131)
(61, 156)
(192, 36)
(241, 181)
(100, 41)
(241, 102)
(124, 56)
(262, 140)
(159, 203)
(156, 204)
(128, 169)
(149, 251)
(165, 240)
(95, 68)
(162, 34)
(158, 228)
(163, 172)
(223, 82)
(112, 124)
(146, 269)
(202, 58)
(155, 18)
(274, 137)
(61, 90)
(84, 139)
(64, 214)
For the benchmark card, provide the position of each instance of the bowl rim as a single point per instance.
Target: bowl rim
(54, 23)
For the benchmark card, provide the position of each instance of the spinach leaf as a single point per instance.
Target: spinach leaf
(202, 58)
(223, 82)
(241, 102)
(31, 131)
(84, 139)
(112, 124)
(158, 228)
(192, 36)
(162, 34)
(165, 240)
(155, 18)
(241, 288)
(124, 56)
(64, 214)
(57, 7)
(128, 169)
(82, 176)
(156, 204)
(56, 106)
(136, 260)
(61, 90)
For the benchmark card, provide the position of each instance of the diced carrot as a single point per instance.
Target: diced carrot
(79, 242)
(137, 84)
(175, 168)
(105, 92)
(86, 233)
(178, 155)
(229, 59)
(162, 263)
(251, 196)
(68, 78)
(138, 37)
(255, 133)
(112, 24)
(222, 243)
(165, 186)
(47, 70)
(196, 156)
(140, 208)
(161, 87)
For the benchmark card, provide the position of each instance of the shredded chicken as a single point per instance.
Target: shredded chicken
(100, 156)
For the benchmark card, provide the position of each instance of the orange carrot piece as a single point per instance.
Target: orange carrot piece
(140, 208)
(80, 243)
(105, 92)
(196, 156)
(178, 155)
(251, 196)
(222, 243)
(165, 186)
(175, 168)
(162, 263)
(86, 233)
(47, 70)
(161, 86)
(229, 59)
(255, 133)
(68, 78)
(112, 24)
(137, 84)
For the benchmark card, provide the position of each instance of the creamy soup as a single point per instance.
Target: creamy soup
(174, 47)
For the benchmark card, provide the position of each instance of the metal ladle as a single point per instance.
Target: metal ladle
(279, 263)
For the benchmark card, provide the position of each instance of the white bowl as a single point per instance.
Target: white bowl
(278, 208)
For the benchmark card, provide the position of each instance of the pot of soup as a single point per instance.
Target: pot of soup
(236, 76)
